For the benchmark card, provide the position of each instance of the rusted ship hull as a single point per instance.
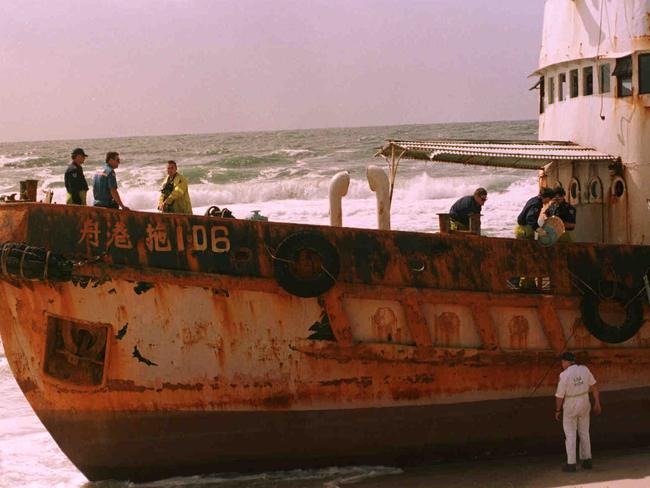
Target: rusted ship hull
(179, 349)
(151, 445)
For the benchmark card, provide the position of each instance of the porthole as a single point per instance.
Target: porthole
(574, 191)
(618, 187)
(595, 190)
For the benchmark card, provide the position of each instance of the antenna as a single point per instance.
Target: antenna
(598, 73)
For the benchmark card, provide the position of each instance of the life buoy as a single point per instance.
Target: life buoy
(306, 264)
(600, 329)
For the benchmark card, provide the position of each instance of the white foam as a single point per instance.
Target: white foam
(4, 160)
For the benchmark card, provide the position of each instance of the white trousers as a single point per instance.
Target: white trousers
(576, 418)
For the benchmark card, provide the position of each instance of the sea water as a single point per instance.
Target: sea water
(285, 175)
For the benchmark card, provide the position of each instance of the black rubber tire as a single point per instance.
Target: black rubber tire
(289, 250)
(600, 329)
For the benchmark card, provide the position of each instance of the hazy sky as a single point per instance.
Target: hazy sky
(77, 69)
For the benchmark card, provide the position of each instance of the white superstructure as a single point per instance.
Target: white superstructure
(594, 70)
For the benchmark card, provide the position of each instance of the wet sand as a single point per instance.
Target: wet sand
(620, 469)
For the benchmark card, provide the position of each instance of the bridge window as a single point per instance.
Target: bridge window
(541, 94)
(574, 192)
(573, 83)
(623, 73)
(618, 188)
(595, 190)
(588, 80)
(561, 84)
(603, 80)
(551, 90)
(644, 73)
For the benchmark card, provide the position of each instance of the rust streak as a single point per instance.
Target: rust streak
(485, 324)
(364, 381)
(552, 326)
(182, 386)
(416, 320)
(338, 318)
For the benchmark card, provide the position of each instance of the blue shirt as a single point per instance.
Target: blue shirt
(463, 208)
(103, 181)
(530, 213)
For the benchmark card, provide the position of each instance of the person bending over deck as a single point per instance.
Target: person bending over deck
(527, 220)
(565, 211)
(75, 181)
(466, 206)
(105, 184)
(572, 400)
(174, 195)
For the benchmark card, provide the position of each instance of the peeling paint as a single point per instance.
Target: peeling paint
(142, 287)
(136, 354)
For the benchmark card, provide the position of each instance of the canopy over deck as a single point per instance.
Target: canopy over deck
(504, 154)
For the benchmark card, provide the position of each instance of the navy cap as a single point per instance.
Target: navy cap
(568, 356)
(547, 193)
(78, 151)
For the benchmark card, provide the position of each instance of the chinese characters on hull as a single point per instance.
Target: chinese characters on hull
(158, 237)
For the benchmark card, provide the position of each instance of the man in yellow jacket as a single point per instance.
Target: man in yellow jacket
(174, 195)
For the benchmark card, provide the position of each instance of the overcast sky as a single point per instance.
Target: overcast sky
(77, 69)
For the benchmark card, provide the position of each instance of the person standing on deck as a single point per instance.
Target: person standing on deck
(105, 184)
(466, 206)
(527, 220)
(565, 211)
(75, 181)
(572, 400)
(174, 195)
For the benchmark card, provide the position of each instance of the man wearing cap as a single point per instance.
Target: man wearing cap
(565, 211)
(466, 206)
(572, 400)
(527, 224)
(75, 181)
(105, 184)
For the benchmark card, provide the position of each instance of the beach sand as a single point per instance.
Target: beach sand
(620, 469)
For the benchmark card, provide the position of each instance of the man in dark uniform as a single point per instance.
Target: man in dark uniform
(75, 182)
(565, 211)
(527, 220)
(466, 206)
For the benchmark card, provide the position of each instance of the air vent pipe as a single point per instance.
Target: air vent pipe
(378, 181)
(338, 189)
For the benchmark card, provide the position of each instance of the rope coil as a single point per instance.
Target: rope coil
(22, 262)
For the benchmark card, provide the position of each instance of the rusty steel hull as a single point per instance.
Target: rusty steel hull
(147, 445)
(178, 350)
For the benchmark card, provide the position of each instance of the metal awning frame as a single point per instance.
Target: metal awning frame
(540, 151)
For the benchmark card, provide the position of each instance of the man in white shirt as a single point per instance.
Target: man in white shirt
(572, 398)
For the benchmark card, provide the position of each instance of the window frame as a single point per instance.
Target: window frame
(624, 73)
(587, 69)
(561, 84)
(598, 197)
(574, 88)
(574, 183)
(641, 77)
(601, 77)
(551, 90)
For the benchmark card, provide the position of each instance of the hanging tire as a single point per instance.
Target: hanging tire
(600, 329)
(306, 264)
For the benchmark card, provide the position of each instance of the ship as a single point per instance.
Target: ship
(155, 345)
